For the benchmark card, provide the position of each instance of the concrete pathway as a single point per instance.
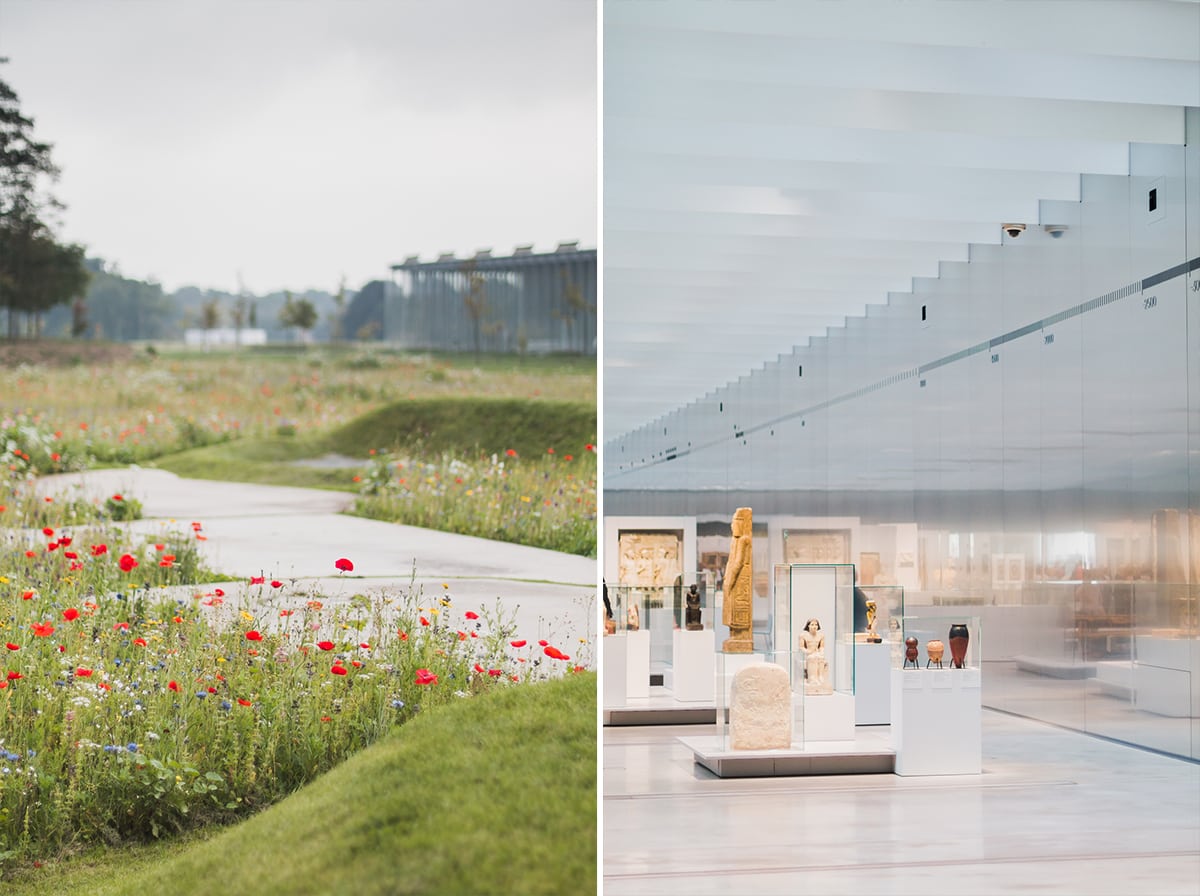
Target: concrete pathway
(295, 535)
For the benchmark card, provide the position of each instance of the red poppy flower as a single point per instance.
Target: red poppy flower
(462, 636)
(356, 664)
(98, 549)
(30, 554)
(326, 718)
(172, 685)
(520, 643)
(160, 547)
(325, 645)
(403, 636)
(424, 621)
(28, 595)
(479, 669)
(339, 670)
(70, 614)
(555, 654)
(70, 555)
(568, 457)
(495, 673)
(120, 626)
(83, 672)
(211, 690)
(511, 452)
(11, 646)
(253, 636)
(47, 531)
(275, 583)
(140, 642)
(579, 669)
(589, 447)
(242, 702)
(424, 676)
(344, 565)
(114, 497)
(127, 563)
(218, 592)
(42, 629)
(65, 541)
(177, 619)
(3, 684)
(258, 580)
(471, 614)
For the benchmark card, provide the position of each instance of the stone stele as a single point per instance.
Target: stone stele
(760, 708)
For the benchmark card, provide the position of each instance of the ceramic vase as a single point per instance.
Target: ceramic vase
(960, 636)
(936, 650)
(911, 653)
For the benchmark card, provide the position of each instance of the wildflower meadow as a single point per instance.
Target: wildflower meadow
(143, 694)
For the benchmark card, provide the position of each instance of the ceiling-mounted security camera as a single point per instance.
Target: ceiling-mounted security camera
(1013, 230)
(1055, 230)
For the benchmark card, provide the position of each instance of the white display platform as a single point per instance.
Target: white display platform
(872, 684)
(637, 664)
(828, 717)
(616, 669)
(1166, 676)
(937, 721)
(695, 668)
(868, 753)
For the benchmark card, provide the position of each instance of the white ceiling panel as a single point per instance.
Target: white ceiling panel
(773, 168)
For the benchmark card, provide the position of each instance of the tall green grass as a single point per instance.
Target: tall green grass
(492, 795)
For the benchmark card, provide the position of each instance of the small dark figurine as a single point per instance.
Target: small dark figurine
(692, 613)
(911, 653)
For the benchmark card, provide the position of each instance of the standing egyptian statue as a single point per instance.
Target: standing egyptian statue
(738, 610)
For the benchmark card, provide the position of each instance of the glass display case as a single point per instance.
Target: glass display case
(760, 701)
(813, 618)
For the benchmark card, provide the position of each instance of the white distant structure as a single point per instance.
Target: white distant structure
(224, 336)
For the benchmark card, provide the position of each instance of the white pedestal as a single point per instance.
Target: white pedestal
(637, 684)
(616, 669)
(937, 722)
(828, 717)
(1166, 676)
(872, 684)
(695, 667)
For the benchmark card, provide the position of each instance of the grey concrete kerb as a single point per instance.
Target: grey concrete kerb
(295, 535)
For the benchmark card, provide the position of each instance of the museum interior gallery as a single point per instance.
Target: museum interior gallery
(901, 458)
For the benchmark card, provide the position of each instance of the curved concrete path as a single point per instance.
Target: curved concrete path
(296, 534)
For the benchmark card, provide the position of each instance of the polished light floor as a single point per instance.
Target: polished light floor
(1053, 812)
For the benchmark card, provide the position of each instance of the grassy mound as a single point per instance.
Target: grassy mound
(495, 794)
(460, 426)
(470, 425)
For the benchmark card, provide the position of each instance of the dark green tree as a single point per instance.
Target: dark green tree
(36, 272)
(297, 314)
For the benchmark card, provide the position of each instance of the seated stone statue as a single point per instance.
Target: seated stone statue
(816, 667)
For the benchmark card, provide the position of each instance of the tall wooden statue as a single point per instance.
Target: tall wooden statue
(738, 611)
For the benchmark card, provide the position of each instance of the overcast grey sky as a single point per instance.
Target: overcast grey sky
(293, 142)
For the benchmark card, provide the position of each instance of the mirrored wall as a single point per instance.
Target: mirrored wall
(1018, 437)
